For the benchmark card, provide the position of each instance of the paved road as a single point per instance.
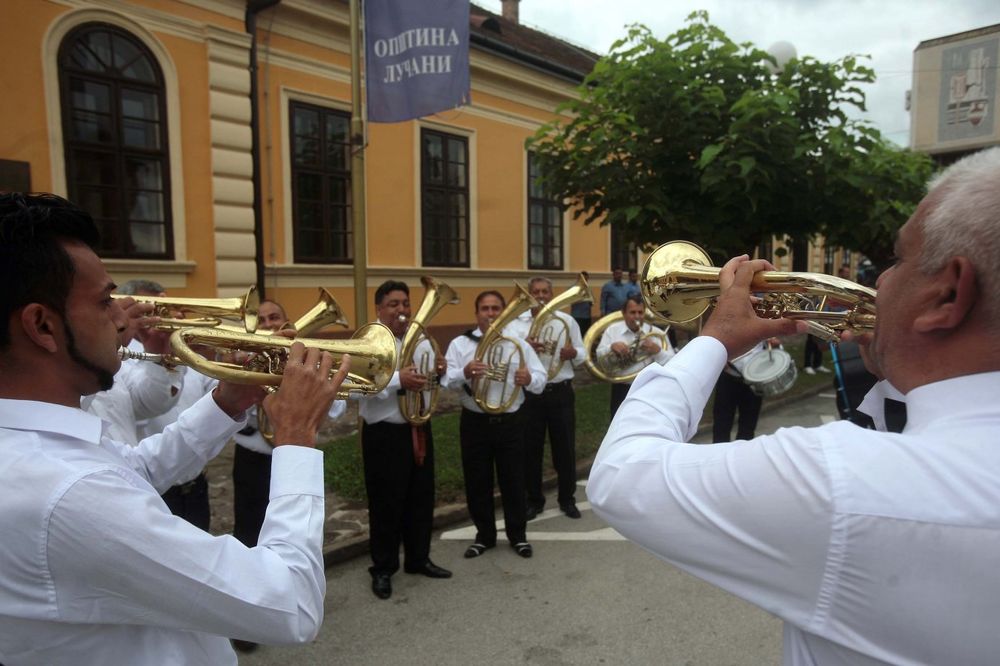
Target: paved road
(586, 597)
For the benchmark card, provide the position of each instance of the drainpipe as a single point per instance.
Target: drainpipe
(254, 7)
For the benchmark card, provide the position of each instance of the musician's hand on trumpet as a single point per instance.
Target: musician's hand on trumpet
(308, 387)
(522, 376)
(734, 322)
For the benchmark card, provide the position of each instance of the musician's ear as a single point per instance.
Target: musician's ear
(41, 325)
(950, 298)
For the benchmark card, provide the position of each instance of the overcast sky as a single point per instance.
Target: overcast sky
(886, 30)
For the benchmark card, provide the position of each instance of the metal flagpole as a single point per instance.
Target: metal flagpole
(358, 174)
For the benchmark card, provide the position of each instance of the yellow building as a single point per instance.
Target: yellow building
(140, 110)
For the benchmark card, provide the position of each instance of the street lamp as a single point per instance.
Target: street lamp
(782, 52)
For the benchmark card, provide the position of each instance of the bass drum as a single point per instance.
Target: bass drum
(770, 372)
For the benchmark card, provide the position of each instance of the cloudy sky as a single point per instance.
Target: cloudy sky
(886, 30)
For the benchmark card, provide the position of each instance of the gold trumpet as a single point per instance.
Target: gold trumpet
(372, 350)
(210, 311)
(491, 351)
(552, 331)
(679, 283)
(412, 404)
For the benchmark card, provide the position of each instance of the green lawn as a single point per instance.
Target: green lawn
(343, 469)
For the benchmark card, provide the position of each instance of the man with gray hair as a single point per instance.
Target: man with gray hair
(553, 410)
(873, 547)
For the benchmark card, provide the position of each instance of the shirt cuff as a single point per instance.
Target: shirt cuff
(213, 423)
(296, 470)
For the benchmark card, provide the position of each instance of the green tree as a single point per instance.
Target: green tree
(696, 137)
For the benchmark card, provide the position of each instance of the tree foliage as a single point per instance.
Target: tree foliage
(696, 137)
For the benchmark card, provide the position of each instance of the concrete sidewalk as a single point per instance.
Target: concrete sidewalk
(774, 414)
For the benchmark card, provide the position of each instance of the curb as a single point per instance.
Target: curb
(450, 514)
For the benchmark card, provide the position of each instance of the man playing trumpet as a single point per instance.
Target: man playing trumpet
(125, 581)
(628, 343)
(873, 547)
(399, 463)
(492, 440)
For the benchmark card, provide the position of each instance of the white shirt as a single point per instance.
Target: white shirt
(195, 387)
(462, 350)
(94, 569)
(522, 326)
(383, 407)
(620, 332)
(142, 390)
(873, 547)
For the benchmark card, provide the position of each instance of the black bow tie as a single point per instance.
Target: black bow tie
(895, 415)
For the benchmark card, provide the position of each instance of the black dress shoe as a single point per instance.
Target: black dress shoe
(533, 511)
(569, 508)
(244, 646)
(382, 585)
(429, 569)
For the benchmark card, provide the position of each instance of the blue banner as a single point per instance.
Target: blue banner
(416, 57)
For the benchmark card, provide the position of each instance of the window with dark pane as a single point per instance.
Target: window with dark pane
(545, 223)
(321, 184)
(623, 255)
(444, 187)
(113, 105)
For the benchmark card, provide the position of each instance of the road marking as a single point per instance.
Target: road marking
(600, 534)
(827, 418)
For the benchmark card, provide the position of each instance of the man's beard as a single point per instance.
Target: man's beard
(105, 379)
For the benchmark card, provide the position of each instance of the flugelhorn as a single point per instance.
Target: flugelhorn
(208, 311)
(679, 283)
(417, 406)
(372, 350)
(552, 331)
(611, 367)
(491, 390)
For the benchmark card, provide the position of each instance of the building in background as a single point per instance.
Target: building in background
(953, 102)
(140, 111)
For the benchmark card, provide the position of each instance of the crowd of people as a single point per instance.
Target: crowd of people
(871, 546)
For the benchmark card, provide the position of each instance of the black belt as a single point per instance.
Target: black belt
(558, 385)
(492, 419)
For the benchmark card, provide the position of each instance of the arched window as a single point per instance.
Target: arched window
(115, 139)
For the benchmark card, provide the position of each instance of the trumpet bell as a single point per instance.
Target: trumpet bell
(679, 284)
(675, 283)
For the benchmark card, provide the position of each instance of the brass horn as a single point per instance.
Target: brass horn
(372, 350)
(679, 283)
(417, 406)
(611, 367)
(490, 390)
(552, 331)
(326, 312)
(209, 311)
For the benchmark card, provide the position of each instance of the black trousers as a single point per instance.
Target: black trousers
(813, 352)
(618, 393)
(190, 501)
(487, 442)
(552, 411)
(251, 492)
(732, 394)
(400, 495)
(584, 324)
